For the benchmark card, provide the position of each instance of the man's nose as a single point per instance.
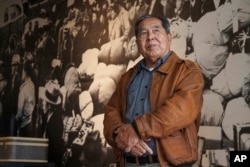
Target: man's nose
(150, 35)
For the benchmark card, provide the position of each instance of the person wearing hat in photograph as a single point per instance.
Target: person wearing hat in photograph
(52, 124)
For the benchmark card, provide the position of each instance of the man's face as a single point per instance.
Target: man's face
(128, 5)
(152, 40)
(84, 28)
(94, 17)
(113, 14)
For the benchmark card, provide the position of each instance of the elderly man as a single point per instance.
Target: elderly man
(152, 119)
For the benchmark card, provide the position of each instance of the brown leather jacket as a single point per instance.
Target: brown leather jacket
(176, 101)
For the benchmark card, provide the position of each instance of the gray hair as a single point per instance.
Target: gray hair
(164, 22)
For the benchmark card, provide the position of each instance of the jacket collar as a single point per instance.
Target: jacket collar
(161, 61)
(170, 63)
(167, 66)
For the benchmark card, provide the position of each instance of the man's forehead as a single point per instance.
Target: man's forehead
(150, 22)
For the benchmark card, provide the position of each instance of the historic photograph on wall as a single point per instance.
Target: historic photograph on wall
(60, 61)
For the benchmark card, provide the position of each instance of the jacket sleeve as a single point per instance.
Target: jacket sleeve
(113, 116)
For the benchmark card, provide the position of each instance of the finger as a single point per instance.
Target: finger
(127, 149)
(136, 152)
(145, 147)
(138, 149)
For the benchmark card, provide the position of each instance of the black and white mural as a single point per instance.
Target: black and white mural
(60, 61)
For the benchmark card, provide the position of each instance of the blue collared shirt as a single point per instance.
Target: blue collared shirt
(138, 93)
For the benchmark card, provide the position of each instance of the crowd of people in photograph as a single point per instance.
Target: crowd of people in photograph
(55, 82)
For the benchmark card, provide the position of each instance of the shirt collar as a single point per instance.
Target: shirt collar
(142, 64)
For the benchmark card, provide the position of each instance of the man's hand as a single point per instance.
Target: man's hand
(128, 140)
(141, 148)
(126, 137)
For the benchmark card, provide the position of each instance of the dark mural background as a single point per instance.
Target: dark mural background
(60, 61)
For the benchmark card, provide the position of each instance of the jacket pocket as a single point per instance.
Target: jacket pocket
(181, 147)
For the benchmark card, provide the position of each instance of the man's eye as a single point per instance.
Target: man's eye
(141, 33)
(156, 30)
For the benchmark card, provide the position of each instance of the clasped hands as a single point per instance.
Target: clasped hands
(128, 140)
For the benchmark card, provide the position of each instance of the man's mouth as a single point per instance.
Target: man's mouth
(150, 46)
